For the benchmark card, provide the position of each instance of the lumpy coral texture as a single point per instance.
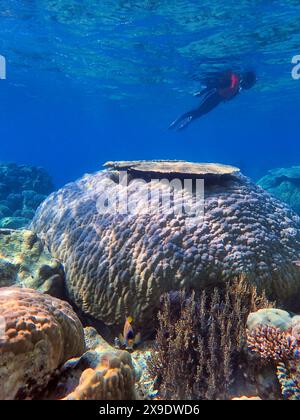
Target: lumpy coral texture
(38, 333)
(120, 264)
(101, 373)
(24, 261)
(112, 379)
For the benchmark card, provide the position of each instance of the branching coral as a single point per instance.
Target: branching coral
(120, 264)
(273, 344)
(200, 340)
(281, 348)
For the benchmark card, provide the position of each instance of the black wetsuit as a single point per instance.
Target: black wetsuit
(222, 88)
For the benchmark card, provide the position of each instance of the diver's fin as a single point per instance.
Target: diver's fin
(173, 124)
(181, 122)
(185, 123)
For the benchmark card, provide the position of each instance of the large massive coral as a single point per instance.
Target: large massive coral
(38, 333)
(120, 264)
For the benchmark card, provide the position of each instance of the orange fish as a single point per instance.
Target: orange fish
(129, 340)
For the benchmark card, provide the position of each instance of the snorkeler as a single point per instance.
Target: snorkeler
(222, 88)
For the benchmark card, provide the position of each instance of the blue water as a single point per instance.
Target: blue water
(90, 81)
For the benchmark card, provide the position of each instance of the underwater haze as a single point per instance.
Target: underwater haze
(89, 81)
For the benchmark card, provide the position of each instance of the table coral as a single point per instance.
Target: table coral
(120, 264)
(38, 333)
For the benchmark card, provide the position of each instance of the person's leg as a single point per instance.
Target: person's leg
(182, 120)
(210, 102)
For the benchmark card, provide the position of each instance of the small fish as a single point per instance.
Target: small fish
(128, 339)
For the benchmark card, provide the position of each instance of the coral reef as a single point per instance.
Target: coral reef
(278, 345)
(25, 262)
(146, 383)
(38, 334)
(200, 341)
(270, 317)
(120, 264)
(22, 189)
(101, 373)
(272, 344)
(284, 183)
(289, 379)
(112, 379)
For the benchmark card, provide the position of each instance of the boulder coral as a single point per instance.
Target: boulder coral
(25, 262)
(22, 189)
(271, 317)
(112, 379)
(38, 333)
(101, 373)
(120, 260)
